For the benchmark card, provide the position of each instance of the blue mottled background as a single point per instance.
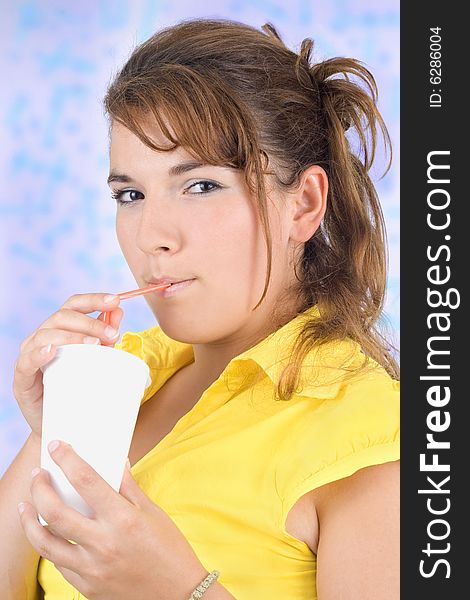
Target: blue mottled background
(56, 217)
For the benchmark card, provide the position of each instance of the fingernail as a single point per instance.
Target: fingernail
(110, 298)
(35, 472)
(128, 464)
(21, 507)
(110, 332)
(53, 445)
(90, 340)
(46, 349)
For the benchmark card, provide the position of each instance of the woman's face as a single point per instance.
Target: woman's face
(168, 227)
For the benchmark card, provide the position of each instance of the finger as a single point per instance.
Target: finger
(79, 303)
(49, 546)
(43, 346)
(68, 317)
(75, 580)
(87, 303)
(75, 322)
(69, 330)
(131, 491)
(114, 318)
(25, 342)
(96, 492)
(62, 520)
(43, 351)
(28, 365)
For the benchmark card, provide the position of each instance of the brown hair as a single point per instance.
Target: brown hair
(236, 97)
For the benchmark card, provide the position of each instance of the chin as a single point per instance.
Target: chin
(177, 328)
(191, 330)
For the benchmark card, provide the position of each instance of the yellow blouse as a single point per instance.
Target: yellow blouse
(233, 466)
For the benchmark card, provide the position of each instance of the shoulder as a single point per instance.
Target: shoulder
(333, 438)
(365, 410)
(357, 395)
(374, 486)
(368, 495)
(362, 417)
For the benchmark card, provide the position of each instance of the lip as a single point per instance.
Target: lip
(168, 279)
(177, 284)
(176, 287)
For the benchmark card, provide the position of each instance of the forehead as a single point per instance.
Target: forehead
(132, 160)
(125, 145)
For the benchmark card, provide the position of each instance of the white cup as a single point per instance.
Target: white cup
(91, 400)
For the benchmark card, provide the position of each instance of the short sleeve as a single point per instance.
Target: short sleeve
(358, 428)
(133, 342)
(163, 355)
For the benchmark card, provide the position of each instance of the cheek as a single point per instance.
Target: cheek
(236, 243)
(121, 234)
(126, 238)
(233, 260)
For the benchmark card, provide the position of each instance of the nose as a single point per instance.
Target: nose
(158, 232)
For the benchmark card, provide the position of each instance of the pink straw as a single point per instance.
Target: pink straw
(106, 316)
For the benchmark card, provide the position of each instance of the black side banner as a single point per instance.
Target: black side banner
(435, 116)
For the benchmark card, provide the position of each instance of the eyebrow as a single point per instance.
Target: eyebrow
(173, 171)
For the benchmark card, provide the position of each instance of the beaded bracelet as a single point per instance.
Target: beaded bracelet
(202, 587)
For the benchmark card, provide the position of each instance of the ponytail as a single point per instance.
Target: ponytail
(344, 266)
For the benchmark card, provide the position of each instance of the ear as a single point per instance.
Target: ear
(309, 204)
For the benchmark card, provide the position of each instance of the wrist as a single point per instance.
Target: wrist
(204, 585)
(215, 591)
(34, 439)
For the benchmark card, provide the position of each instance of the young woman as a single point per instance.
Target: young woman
(264, 462)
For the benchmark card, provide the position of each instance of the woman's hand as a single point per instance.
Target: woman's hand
(69, 325)
(129, 549)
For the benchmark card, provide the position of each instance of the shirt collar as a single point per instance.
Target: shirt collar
(322, 373)
(324, 367)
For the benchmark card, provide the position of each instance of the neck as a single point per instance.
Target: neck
(211, 359)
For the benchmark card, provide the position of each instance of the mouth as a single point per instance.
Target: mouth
(170, 280)
(176, 285)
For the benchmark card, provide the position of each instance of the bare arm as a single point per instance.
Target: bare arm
(18, 560)
(69, 325)
(358, 551)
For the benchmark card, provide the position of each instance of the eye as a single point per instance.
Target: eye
(118, 195)
(204, 183)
